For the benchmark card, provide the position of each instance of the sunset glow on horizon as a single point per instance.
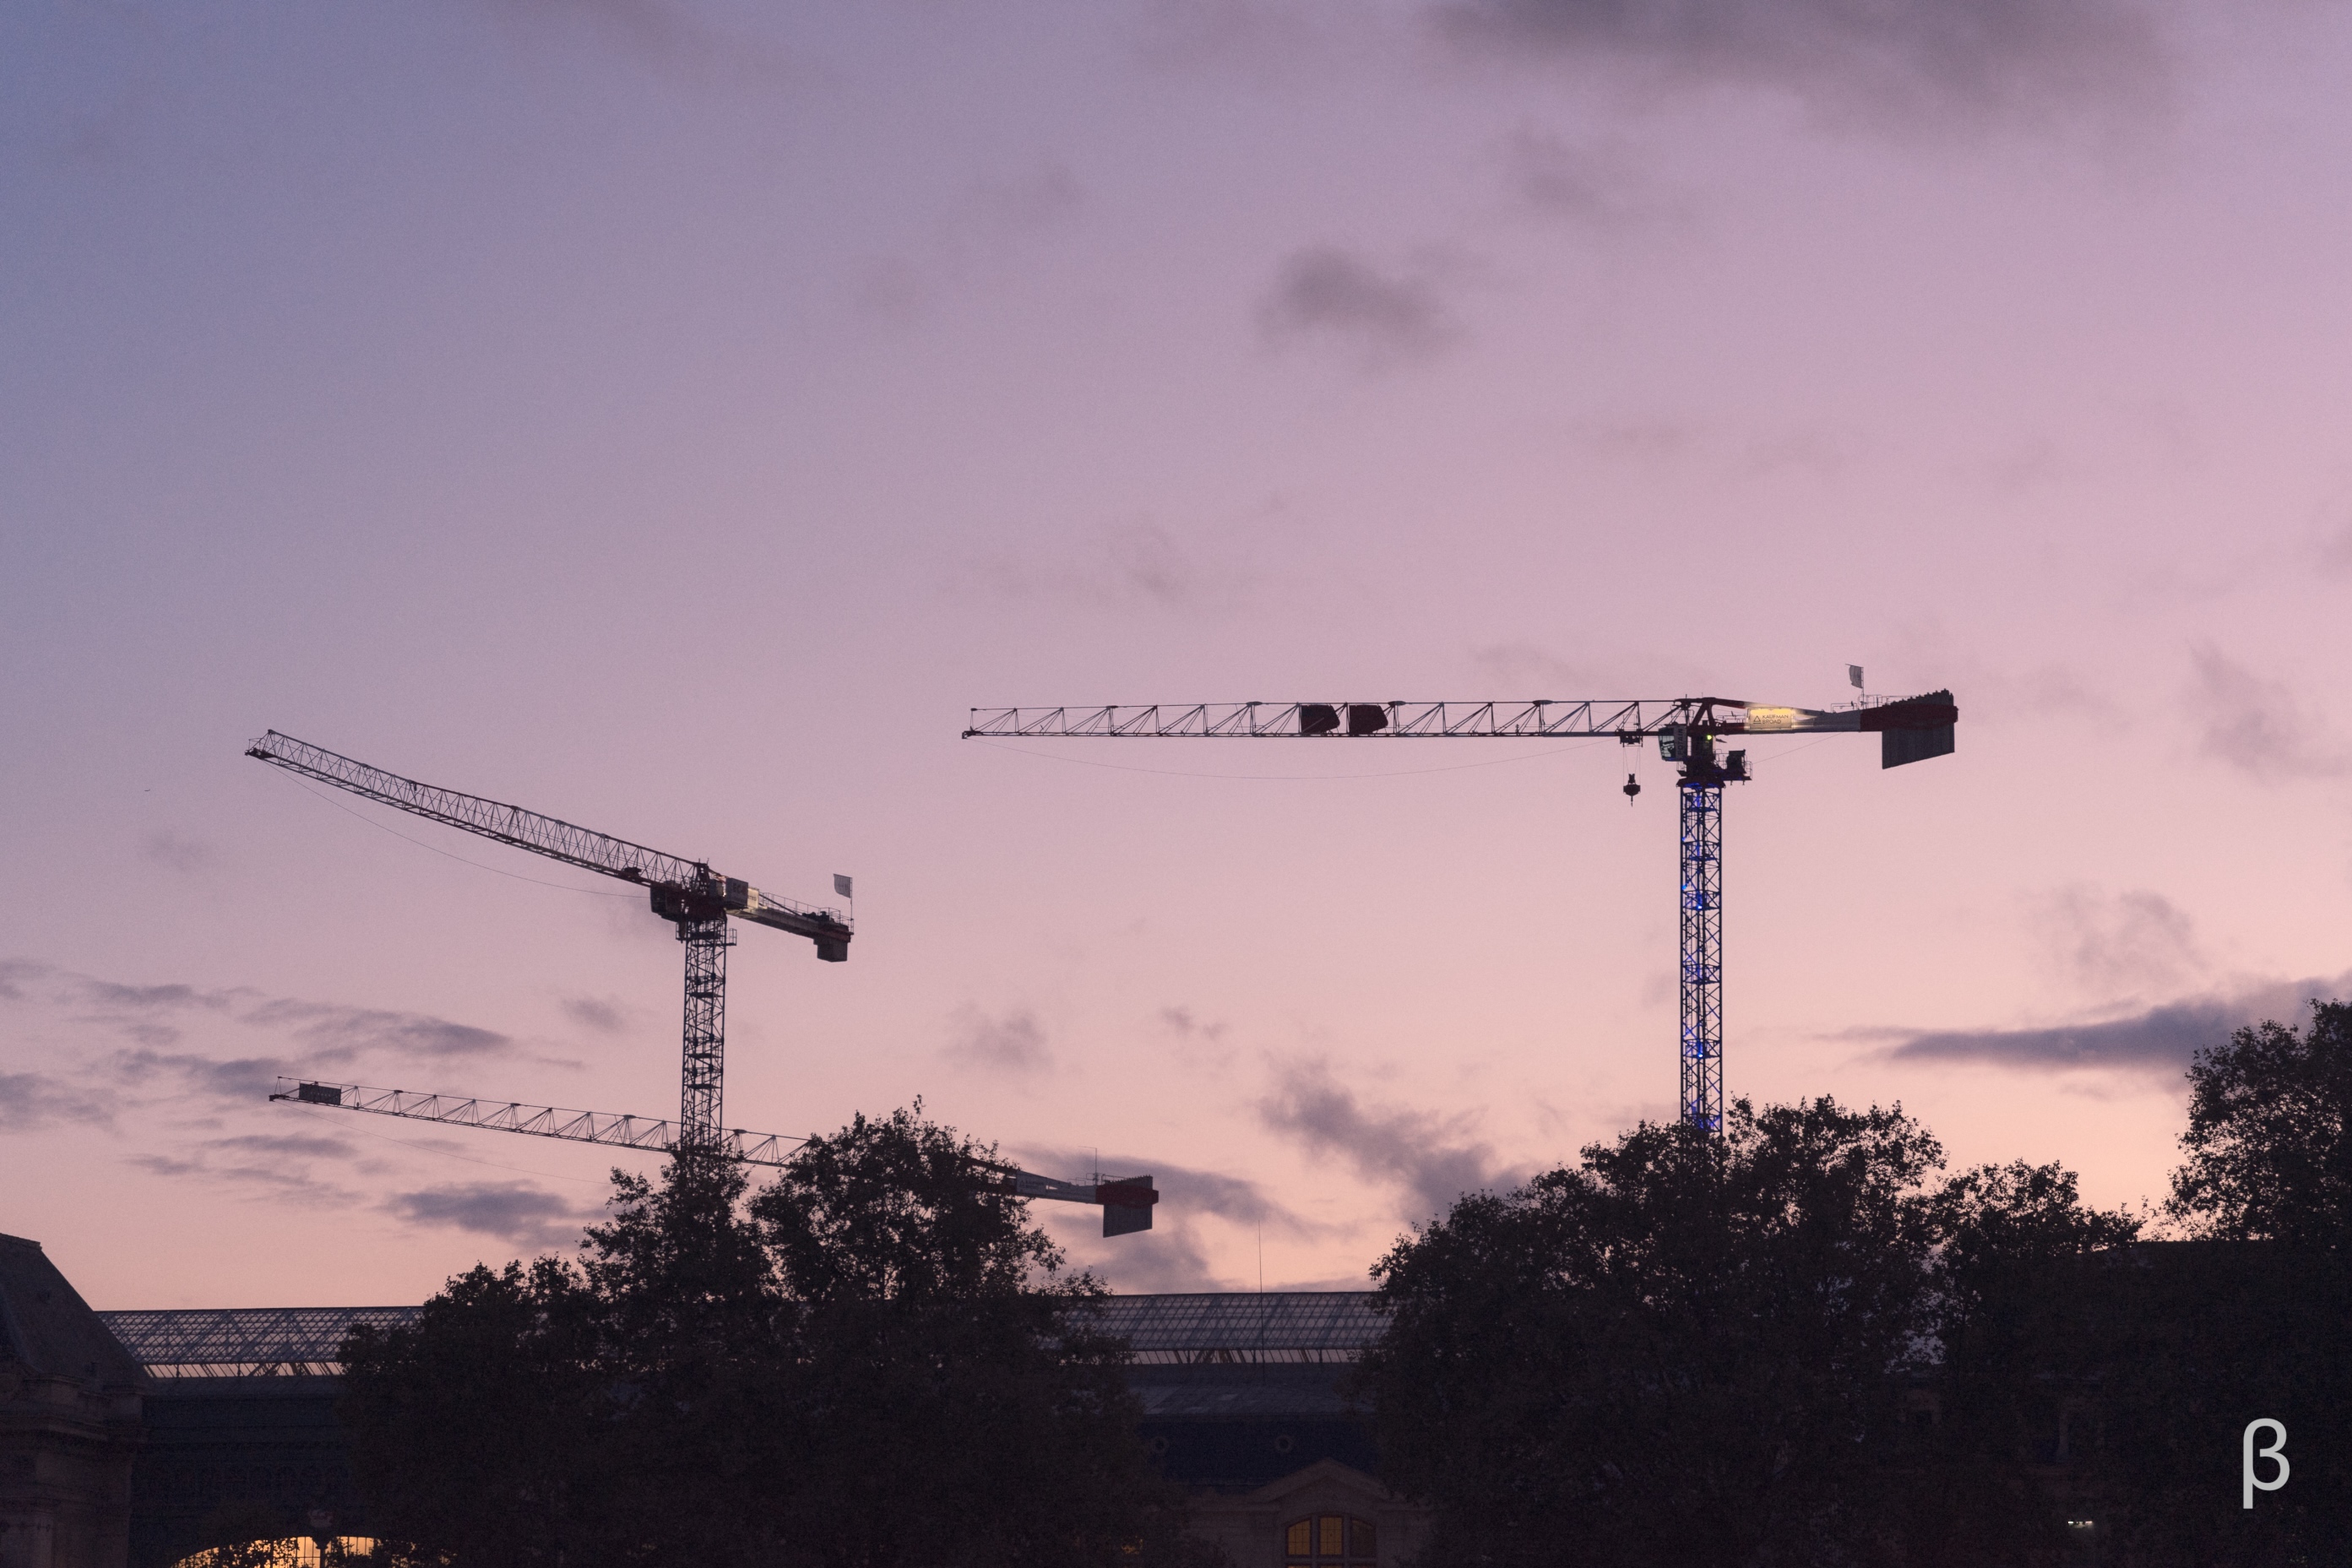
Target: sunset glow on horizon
(677, 417)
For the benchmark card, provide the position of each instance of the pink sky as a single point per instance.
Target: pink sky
(673, 418)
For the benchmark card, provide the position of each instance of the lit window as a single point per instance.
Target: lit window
(294, 1552)
(1329, 1541)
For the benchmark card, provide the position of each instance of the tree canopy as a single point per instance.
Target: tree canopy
(1799, 1342)
(2268, 1153)
(2239, 1318)
(871, 1361)
(1719, 1350)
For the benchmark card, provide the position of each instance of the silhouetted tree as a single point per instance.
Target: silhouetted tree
(1687, 1350)
(954, 1402)
(872, 1361)
(2269, 1146)
(482, 1428)
(1732, 1349)
(2186, 1341)
(2018, 1356)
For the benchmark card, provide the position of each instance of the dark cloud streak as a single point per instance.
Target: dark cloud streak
(331, 1029)
(1600, 185)
(603, 1016)
(1013, 1041)
(2158, 1039)
(155, 1016)
(1886, 59)
(1425, 1155)
(1326, 294)
(279, 1179)
(516, 1212)
(670, 39)
(176, 853)
(295, 1146)
(2137, 939)
(1126, 566)
(1181, 1019)
(1171, 1257)
(242, 1081)
(1183, 1189)
(2255, 723)
(1168, 1258)
(31, 1101)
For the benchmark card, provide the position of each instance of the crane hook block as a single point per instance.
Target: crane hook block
(1632, 788)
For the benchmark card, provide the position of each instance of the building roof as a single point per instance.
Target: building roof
(1240, 1326)
(47, 1329)
(246, 1341)
(1209, 1327)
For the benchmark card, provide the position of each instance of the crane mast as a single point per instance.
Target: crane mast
(1910, 729)
(701, 903)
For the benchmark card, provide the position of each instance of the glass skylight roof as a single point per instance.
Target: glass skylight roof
(1207, 1327)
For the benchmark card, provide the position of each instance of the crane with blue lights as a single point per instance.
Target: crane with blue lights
(1910, 729)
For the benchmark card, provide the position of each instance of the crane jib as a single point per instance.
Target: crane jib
(1126, 1201)
(681, 889)
(1627, 719)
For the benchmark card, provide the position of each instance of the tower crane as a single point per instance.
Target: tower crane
(1126, 1201)
(688, 893)
(1910, 729)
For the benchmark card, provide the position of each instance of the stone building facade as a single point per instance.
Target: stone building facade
(69, 1422)
(1243, 1399)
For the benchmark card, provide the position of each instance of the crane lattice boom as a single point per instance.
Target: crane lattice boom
(1625, 719)
(1126, 1201)
(620, 1132)
(674, 875)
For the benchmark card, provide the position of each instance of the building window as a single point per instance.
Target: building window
(293, 1552)
(1329, 1541)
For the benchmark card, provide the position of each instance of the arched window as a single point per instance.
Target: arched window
(1329, 1541)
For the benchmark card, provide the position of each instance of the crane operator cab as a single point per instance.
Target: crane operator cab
(1695, 750)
